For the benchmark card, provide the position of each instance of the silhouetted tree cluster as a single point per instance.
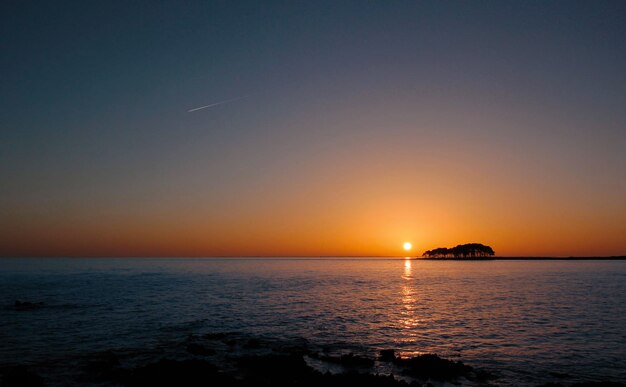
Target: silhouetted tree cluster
(469, 250)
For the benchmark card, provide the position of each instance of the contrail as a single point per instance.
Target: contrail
(217, 103)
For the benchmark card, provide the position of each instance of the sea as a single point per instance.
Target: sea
(527, 321)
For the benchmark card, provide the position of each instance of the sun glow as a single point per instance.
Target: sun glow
(407, 246)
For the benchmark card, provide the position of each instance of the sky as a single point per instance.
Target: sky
(337, 128)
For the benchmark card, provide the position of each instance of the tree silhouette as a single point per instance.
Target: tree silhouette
(468, 250)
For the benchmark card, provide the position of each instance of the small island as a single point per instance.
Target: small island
(466, 251)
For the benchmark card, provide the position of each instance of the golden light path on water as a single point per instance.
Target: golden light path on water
(409, 319)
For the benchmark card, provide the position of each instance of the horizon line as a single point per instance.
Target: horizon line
(504, 257)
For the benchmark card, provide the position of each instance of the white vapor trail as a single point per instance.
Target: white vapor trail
(217, 103)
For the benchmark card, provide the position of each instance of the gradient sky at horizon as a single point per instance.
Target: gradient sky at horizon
(365, 124)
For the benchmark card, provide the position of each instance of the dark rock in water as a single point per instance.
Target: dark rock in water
(175, 373)
(482, 375)
(349, 360)
(280, 366)
(387, 355)
(25, 305)
(363, 380)
(586, 384)
(252, 371)
(292, 371)
(431, 366)
(291, 349)
(199, 350)
(19, 376)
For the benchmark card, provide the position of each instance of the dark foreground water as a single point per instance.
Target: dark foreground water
(527, 321)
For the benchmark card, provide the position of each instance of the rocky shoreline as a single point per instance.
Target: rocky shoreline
(235, 360)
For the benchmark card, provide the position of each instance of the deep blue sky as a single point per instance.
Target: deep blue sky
(438, 120)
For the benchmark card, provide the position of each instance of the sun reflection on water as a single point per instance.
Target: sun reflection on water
(408, 319)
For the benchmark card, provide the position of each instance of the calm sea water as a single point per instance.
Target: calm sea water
(521, 319)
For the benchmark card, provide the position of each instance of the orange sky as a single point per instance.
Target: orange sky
(354, 199)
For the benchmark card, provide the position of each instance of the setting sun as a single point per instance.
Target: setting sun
(407, 246)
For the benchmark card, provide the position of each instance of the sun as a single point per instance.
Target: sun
(407, 246)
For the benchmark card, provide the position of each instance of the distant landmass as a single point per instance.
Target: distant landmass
(479, 251)
(466, 251)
